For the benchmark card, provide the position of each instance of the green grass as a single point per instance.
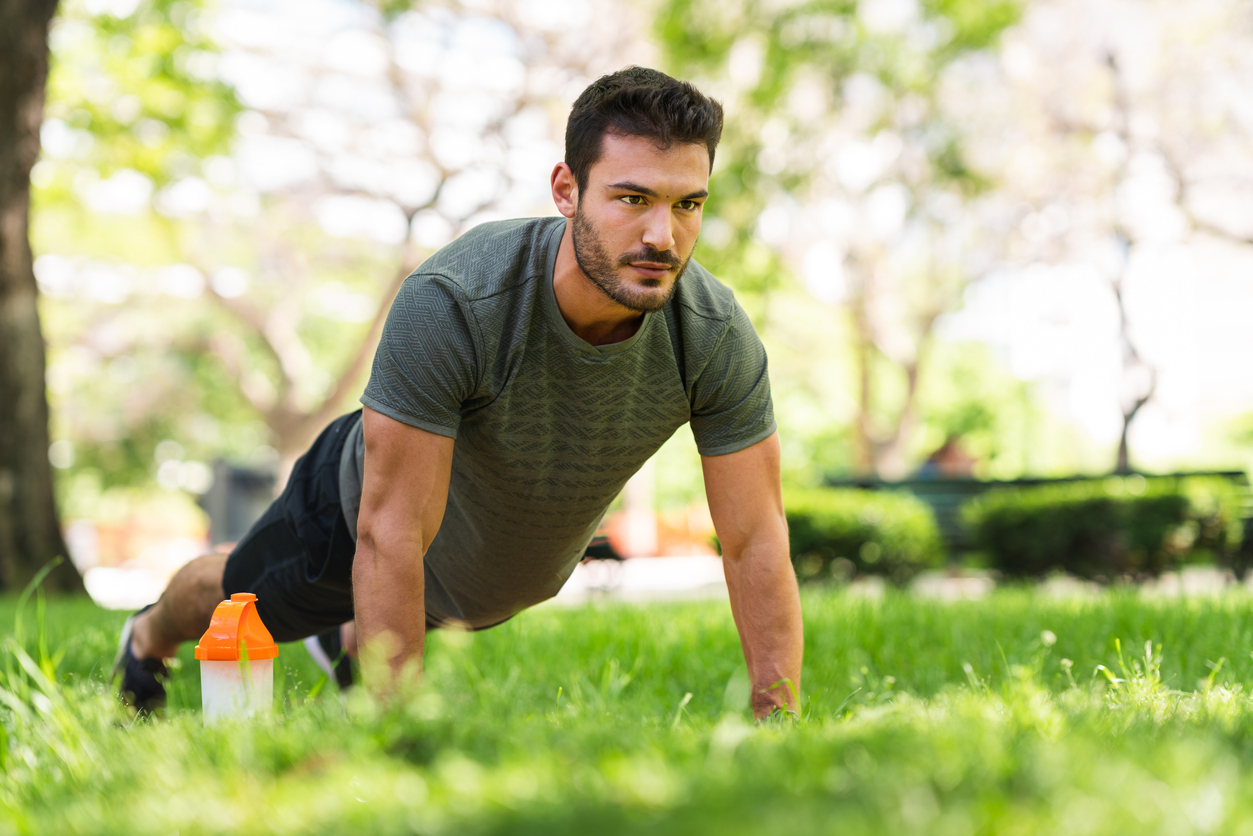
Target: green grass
(919, 717)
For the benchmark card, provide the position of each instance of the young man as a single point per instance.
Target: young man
(526, 371)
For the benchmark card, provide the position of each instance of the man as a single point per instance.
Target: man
(526, 371)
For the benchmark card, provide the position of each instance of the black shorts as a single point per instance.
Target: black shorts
(297, 559)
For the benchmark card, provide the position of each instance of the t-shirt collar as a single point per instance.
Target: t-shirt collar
(572, 339)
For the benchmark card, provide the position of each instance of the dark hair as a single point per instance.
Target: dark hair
(640, 102)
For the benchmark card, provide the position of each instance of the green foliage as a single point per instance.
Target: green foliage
(1011, 713)
(802, 82)
(138, 92)
(999, 419)
(835, 532)
(809, 458)
(978, 24)
(1241, 431)
(1106, 528)
(140, 360)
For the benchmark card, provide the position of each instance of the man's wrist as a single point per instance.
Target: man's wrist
(775, 696)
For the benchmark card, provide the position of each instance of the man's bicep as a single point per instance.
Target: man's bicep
(405, 487)
(744, 492)
(731, 404)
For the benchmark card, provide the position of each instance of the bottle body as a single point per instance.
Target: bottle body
(236, 689)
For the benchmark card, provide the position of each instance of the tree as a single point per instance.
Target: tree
(1139, 374)
(1124, 145)
(842, 164)
(30, 534)
(393, 170)
(129, 105)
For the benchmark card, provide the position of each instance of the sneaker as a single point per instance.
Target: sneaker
(327, 651)
(142, 680)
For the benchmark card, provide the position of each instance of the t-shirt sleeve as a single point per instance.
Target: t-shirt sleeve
(426, 364)
(731, 406)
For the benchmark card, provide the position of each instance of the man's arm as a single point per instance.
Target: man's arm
(746, 502)
(403, 496)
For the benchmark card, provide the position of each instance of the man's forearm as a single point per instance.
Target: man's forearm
(388, 597)
(767, 610)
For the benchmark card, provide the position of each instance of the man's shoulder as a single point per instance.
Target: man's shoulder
(702, 295)
(494, 256)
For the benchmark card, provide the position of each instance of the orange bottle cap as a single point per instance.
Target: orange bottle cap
(236, 630)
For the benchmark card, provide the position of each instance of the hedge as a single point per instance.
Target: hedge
(837, 532)
(1104, 529)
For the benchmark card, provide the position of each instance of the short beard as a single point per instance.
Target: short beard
(597, 265)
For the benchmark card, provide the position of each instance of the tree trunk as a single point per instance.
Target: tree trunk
(891, 462)
(865, 454)
(882, 454)
(1132, 362)
(30, 534)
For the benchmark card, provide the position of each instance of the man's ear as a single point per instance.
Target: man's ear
(565, 189)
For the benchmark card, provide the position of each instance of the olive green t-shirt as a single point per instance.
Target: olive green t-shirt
(548, 427)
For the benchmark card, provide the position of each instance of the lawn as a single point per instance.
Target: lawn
(1013, 714)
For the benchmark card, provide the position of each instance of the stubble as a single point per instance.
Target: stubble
(599, 266)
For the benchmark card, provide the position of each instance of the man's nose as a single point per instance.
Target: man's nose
(659, 229)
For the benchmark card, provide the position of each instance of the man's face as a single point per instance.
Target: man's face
(635, 225)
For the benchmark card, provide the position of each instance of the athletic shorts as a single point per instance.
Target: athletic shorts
(297, 559)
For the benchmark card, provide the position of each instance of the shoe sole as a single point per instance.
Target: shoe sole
(319, 656)
(128, 629)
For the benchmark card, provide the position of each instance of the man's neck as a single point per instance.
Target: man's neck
(592, 316)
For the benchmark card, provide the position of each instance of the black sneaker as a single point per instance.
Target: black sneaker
(327, 650)
(142, 680)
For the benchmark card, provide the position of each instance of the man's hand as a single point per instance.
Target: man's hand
(402, 504)
(746, 502)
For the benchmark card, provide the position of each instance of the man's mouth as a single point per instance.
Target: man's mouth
(651, 269)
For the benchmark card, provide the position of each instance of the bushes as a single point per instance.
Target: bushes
(836, 532)
(1101, 528)
(1106, 528)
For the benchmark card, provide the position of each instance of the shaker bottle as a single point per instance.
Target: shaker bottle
(236, 658)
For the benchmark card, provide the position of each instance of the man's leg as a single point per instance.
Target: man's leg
(183, 611)
(297, 559)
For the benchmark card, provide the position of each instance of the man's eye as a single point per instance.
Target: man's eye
(633, 199)
(688, 205)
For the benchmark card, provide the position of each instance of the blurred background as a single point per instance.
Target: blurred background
(981, 239)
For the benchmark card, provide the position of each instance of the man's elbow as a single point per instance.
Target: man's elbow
(379, 544)
(765, 543)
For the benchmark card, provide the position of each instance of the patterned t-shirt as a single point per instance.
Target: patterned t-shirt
(548, 427)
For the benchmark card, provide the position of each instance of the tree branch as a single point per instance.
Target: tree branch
(365, 350)
(251, 319)
(1182, 191)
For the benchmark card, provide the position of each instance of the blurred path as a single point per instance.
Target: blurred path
(642, 579)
